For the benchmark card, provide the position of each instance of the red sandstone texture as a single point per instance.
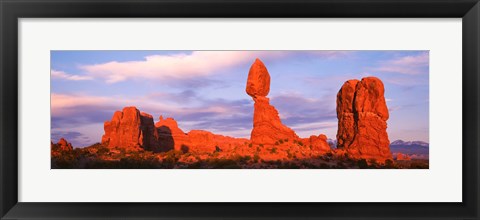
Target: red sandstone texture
(267, 126)
(61, 147)
(135, 130)
(361, 110)
(362, 120)
(170, 135)
(132, 129)
(258, 82)
(64, 145)
(270, 139)
(401, 156)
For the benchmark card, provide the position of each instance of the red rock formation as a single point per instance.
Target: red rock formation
(319, 143)
(207, 142)
(267, 126)
(63, 145)
(195, 141)
(170, 135)
(130, 129)
(401, 156)
(258, 82)
(362, 114)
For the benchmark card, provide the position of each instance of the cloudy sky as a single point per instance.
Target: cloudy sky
(206, 89)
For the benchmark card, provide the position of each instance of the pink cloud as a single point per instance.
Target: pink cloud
(63, 75)
(186, 66)
(62, 104)
(410, 65)
(180, 66)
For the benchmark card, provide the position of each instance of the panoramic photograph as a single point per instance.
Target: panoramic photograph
(157, 109)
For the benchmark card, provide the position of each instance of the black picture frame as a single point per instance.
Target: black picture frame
(12, 10)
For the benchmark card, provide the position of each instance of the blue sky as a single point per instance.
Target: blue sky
(206, 89)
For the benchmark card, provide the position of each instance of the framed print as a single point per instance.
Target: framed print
(226, 109)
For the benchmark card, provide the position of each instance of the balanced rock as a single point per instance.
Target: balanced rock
(362, 120)
(132, 129)
(267, 126)
(258, 82)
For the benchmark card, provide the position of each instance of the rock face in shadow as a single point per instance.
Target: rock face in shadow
(135, 130)
(362, 120)
(267, 126)
(130, 128)
(170, 135)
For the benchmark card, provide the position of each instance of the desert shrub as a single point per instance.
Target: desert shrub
(217, 149)
(250, 145)
(289, 165)
(103, 150)
(341, 165)
(280, 141)
(301, 144)
(172, 156)
(276, 143)
(261, 145)
(273, 150)
(289, 154)
(389, 164)
(324, 166)
(223, 164)
(286, 139)
(196, 165)
(256, 157)
(418, 165)
(362, 164)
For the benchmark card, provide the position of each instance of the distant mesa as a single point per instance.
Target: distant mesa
(362, 120)
(414, 149)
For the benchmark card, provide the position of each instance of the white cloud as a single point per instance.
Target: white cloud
(63, 75)
(410, 65)
(186, 66)
(180, 66)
